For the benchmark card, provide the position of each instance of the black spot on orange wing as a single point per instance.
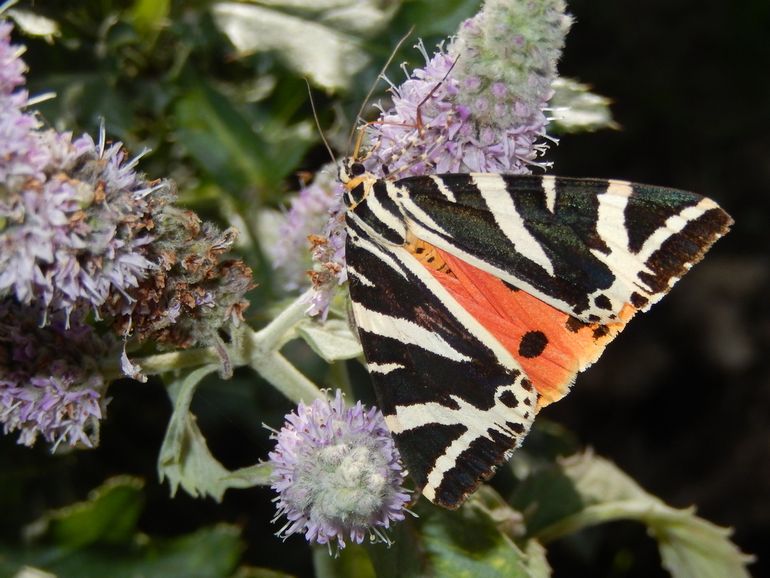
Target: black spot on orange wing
(574, 324)
(600, 331)
(532, 344)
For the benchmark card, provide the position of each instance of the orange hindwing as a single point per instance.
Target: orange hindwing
(551, 346)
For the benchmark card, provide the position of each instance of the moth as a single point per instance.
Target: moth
(479, 297)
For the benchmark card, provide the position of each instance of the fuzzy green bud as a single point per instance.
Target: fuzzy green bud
(506, 58)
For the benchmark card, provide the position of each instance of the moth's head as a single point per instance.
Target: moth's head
(355, 180)
(350, 169)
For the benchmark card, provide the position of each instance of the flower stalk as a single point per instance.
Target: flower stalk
(258, 349)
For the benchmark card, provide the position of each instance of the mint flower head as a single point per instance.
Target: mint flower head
(82, 232)
(309, 211)
(73, 213)
(337, 474)
(12, 67)
(50, 386)
(479, 105)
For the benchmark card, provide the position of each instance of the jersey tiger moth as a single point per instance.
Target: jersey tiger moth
(479, 297)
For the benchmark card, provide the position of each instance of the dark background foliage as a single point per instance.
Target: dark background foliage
(681, 401)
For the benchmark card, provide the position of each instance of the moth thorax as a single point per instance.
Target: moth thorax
(356, 181)
(354, 194)
(427, 254)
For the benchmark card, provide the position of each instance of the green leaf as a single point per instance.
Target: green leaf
(546, 497)
(597, 491)
(469, 542)
(208, 553)
(97, 537)
(107, 516)
(537, 563)
(403, 557)
(319, 40)
(352, 562)
(33, 24)
(239, 152)
(692, 547)
(422, 14)
(185, 459)
(221, 138)
(332, 340)
(149, 16)
(577, 109)
(250, 476)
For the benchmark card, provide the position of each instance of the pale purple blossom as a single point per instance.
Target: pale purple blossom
(82, 232)
(12, 67)
(337, 473)
(329, 270)
(71, 210)
(50, 384)
(477, 106)
(308, 213)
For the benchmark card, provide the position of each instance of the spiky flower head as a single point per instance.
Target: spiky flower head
(328, 255)
(337, 474)
(83, 233)
(50, 384)
(74, 215)
(309, 211)
(193, 292)
(12, 67)
(479, 105)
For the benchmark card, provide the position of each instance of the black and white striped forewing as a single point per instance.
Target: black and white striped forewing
(585, 246)
(455, 400)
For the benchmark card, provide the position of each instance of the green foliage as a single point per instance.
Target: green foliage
(185, 459)
(108, 516)
(352, 562)
(98, 537)
(476, 541)
(584, 490)
(468, 543)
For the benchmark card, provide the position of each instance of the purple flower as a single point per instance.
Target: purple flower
(73, 213)
(82, 232)
(193, 293)
(478, 106)
(49, 382)
(309, 211)
(78, 232)
(337, 474)
(328, 254)
(12, 67)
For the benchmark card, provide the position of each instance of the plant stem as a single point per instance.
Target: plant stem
(286, 378)
(257, 349)
(644, 512)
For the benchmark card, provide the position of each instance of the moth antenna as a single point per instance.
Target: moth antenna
(380, 76)
(318, 123)
(418, 115)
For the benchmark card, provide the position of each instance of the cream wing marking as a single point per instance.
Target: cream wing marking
(508, 219)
